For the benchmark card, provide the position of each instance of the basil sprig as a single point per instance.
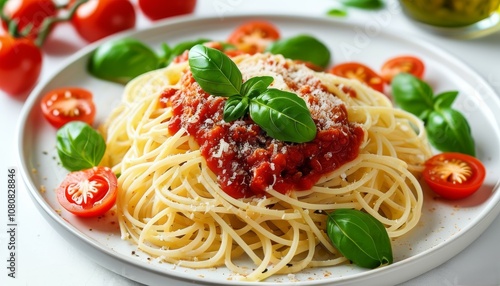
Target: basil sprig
(79, 146)
(363, 4)
(282, 115)
(359, 237)
(447, 128)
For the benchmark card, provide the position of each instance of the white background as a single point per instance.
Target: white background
(44, 258)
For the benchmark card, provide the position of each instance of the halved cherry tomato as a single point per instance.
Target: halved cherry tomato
(88, 193)
(454, 175)
(254, 36)
(97, 19)
(62, 105)
(29, 12)
(20, 64)
(360, 72)
(155, 10)
(408, 64)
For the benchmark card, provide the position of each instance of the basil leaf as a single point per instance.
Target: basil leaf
(79, 146)
(445, 99)
(337, 12)
(412, 94)
(283, 115)
(215, 72)
(303, 48)
(256, 85)
(169, 54)
(236, 106)
(364, 4)
(122, 60)
(449, 131)
(359, 237)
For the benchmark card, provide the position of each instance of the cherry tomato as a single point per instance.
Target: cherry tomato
(454, 175)
(408, 64)
(97, 19)
(20, 64)
(360, 72)
(63, 105)
(29, 12)
(254, 36)
(155, 10)
(88, 193)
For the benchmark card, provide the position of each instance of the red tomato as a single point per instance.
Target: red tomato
(454, 175)
(31, 12)
(20, 65)
(97, 19)
(63, 105)
(88, 193)
(254, 36)
(400, 64)
(360, 72)
(156, 10)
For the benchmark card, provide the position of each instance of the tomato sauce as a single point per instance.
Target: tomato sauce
(246, 160)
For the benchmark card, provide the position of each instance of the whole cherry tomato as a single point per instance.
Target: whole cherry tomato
(408, 64)
(88, 193)
(254, 36)
(28, 12)
(155, 10)
(97, 19)
(454, 175)
(360, 72)
(20, 64)
(63, 105)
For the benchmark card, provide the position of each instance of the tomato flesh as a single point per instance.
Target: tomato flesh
(88, 193)
(360, 72)
(254, 36)
(63, 105)
(454, 175)
(408, 64)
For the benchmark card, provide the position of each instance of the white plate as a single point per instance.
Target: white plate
(444, 230)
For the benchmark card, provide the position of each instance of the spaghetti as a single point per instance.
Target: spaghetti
(172, 206)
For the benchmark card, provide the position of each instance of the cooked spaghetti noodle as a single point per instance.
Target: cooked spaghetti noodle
(171, 205)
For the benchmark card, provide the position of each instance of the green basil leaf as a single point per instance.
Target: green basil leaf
(337, 12)
(215, 72)
(178, 49)
(256, 85)
(304, 48)
(445, 99)
(79, 146)
(359, 237)
(122, 60)
(412, 94)
(236, 106)
(283, 115)
(449, 131)
(364, 4)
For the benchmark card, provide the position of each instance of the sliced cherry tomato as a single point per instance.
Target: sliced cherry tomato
(408, 64)
(454, 175)
(63, 105)
(97, 19)
(360, 72)
(28, 12)
(20, 64)
(88, 193)
(155, 10)
(254, 36)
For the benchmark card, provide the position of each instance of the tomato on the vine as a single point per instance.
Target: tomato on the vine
(254, 36)
(155, 10)
(97, 19)
(20, 64)
(454, 175)
(360, 72)
(396, 65)
(62, 105)
(28, 13)
(88, 193)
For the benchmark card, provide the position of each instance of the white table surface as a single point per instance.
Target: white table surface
(45, 258)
